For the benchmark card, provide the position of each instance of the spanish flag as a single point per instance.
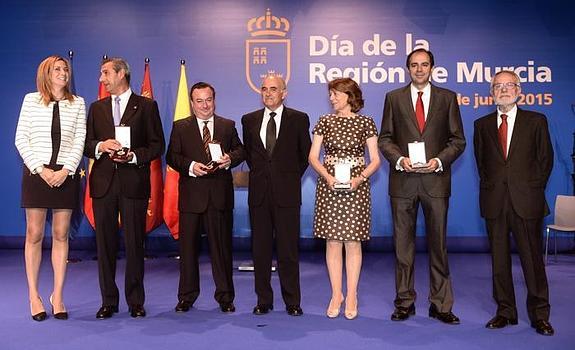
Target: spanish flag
(182, 110)
(155, 202)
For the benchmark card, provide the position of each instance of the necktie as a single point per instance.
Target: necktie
(503, 135)
(117, 111)
(419, 113)
(271, 134)
(206, 137)
(55, 133)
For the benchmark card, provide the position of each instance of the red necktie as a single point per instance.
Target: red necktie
(503, 135)
(419, 114)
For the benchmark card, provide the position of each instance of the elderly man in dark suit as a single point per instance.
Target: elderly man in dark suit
(277, 144)
(120, 185)
(514, 159)
(206, 195)
(421, 112)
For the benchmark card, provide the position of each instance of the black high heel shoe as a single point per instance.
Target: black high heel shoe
(40, 316)
(63, 315)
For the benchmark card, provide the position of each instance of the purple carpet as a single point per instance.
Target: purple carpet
(205, 327)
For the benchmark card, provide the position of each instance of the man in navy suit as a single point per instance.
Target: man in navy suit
(277, 144)
(514, 159)
(205, 195)
(121, 185)
(421, 112)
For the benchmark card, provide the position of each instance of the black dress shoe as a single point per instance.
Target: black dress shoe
(262, 309)
(445, 317)
(183, 306)
(227, 307)
(137, 311)
(294, 310)
(402, 313)
(543, 327)
(40, 316)
(500, 322)
(106, 311)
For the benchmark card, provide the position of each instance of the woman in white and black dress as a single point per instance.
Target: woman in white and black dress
(50, 139)
(343, 218)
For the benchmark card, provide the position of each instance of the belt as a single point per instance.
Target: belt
(354, 161)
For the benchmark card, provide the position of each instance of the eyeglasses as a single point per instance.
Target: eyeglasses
(508, 85)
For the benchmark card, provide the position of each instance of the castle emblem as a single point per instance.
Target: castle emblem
(268, 51)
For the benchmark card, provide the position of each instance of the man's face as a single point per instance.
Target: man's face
(420, 69)
(111, 79)
(505, 89)
(273, 92)
(203, 103)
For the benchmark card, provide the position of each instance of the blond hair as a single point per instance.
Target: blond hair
(44, 82)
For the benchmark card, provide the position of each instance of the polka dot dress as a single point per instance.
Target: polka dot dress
(342, 215)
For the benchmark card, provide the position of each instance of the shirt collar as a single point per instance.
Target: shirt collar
(426, 90)
(125, 96)
(278, 111)
(510, 115)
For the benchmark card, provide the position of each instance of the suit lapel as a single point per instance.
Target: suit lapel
(131, 109)
(108, 117)
(493, 132)
(518, 130)
(284, 125)
(256, 129)
(433, 101)
(218, 129)
(407, 106)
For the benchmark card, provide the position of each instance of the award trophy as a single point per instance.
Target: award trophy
(216, 154)
(123, 137)
(417, 154)
(342, 175)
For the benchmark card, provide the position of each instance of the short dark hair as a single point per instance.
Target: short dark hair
(351, 89)
(429, 54)
(119, 63)
(202, 85)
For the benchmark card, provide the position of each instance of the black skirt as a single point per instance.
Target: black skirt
(37, 194)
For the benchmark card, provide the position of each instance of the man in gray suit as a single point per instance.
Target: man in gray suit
(421, 112)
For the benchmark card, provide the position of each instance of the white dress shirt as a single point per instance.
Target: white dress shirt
(277, 118)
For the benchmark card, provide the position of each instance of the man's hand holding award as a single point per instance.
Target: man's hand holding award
(122, 154)
(217, 157)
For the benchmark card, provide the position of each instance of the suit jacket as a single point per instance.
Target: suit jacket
(443, 137)
(186, 145)
(146, 140)
(525, 172)
(282, 171)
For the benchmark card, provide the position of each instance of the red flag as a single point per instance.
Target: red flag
(88, 209)
(155, 203)
(182, 110)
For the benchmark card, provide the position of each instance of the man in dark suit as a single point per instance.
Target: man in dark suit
(121, 185)
(421, 112)
(277, 144)
(514, 159)
(206, 195)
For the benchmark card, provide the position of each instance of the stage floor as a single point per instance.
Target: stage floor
(205, 327)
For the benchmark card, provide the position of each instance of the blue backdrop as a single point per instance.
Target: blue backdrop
(309, 42)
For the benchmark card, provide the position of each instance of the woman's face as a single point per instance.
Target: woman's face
(338, 100)
(59, 75)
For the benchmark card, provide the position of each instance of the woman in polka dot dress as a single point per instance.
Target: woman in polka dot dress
(343, 217)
